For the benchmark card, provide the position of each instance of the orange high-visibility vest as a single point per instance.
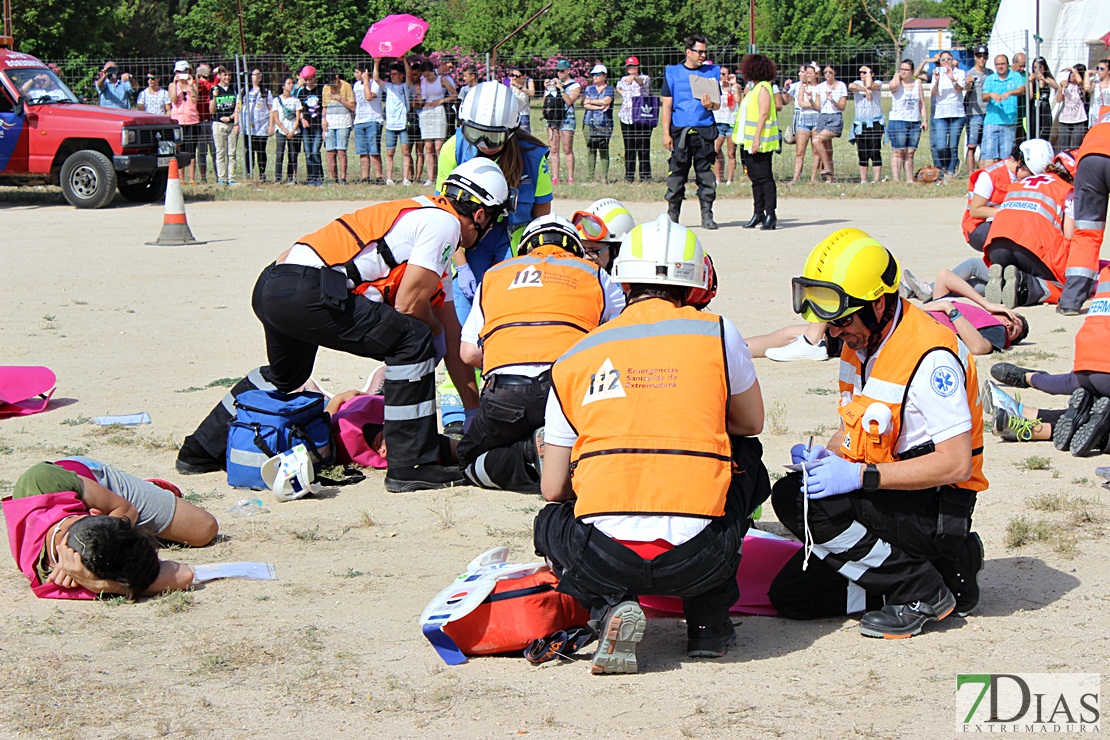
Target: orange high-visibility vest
(1032, 215)
(888, 384)
(1086, 243)
(648, 395)
(999, 174)
(1092, 341)
(338, 243)
(537, 306)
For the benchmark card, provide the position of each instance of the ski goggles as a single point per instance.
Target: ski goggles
(591, 227)
(485, 136)
(827, 301)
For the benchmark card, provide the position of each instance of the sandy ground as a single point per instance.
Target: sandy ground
(333, 646)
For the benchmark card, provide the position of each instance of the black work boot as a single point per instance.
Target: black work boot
(961, 574)
(707, 221)
(673, 210)
(1091, 437)
(710, 642)
(757, 219)
(1077, 415)
(896, 621)
(422, 478)
(770, 221)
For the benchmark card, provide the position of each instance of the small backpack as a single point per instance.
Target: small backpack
(554, 108)
(268, 423)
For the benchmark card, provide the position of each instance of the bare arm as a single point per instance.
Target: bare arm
(745, 412)
(462, 375)
(976, 342)
(472, 354)
(979, 208)
(555, 482)
(665, 108)
(414, 296)
(103, 501)
(1069, 227)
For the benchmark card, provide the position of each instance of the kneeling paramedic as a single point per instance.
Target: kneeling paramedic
(653, 487)
(886, 509)
(373, 283)
(527, 311)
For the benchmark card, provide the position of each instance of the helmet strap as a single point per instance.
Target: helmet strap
(877, 326)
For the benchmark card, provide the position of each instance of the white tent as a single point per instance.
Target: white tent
(1069, 29)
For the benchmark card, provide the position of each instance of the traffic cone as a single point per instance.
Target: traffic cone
(175, 227)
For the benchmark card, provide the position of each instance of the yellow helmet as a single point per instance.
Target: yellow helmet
(842, 274)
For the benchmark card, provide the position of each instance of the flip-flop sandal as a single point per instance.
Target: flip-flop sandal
(165, 484)
(562, 644)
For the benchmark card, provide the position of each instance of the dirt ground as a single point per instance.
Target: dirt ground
(333, 646)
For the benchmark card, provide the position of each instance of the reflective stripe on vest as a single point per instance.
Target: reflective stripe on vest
(1093, 337)
(748, 118)
(648, 395)
(915, 335)
(536, 307)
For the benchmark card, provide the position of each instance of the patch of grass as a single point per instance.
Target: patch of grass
(1048, 502)
(1058, 330)
(49, 322)
(351, 573)
(196, 497)
(776, 419)
(444, 514)
(365, 520)
(508, 535)
(5, 448)
(821, 431)
(1026, 355)
(1034, 462)
(1021, 531)
(223, 382)
(307, 535)
(214, 663)
(190, 389)
(263, 597)
(775, 475)
(1080, 481)
(175, 602)
(115, 601)
(6, 485)
(76, 421)
(821, 391)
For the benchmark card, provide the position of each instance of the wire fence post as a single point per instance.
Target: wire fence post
(489, 70)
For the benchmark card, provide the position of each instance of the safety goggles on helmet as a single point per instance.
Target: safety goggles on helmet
(487, 137)
(826, 300)
(591, 227)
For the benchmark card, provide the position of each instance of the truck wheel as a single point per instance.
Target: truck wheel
(151, 190)
(88, 179)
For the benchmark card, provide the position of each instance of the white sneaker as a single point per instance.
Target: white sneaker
(389, 182)
(797, 350)
(406, 183)
(427, 183)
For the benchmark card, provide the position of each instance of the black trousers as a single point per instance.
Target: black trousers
(692, 147)
(890, 543)
(637, 148)
(496, 452)
(297, 321)
(869, 145)
(601, 572)
(293, 147)
(978, 238)
(764, 191)
(256, 156)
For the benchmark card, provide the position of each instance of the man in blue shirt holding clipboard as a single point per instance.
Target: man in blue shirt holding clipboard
(689, 129)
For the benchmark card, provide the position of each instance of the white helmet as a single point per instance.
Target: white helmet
(1037, 154)
(663, 253)
(617, 219)
(550, 229)
(480, 181)
(290, 475)
(489, 115)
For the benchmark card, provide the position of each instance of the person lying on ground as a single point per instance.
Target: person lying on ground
(1081, 428)
(73, 537)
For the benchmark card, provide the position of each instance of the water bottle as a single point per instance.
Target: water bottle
(248, 507)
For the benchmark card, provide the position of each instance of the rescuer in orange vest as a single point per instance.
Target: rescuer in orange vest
(372, 283)
(653, 485)
(1092, 192)
(890, 500)
(987, 187)
(526, 312)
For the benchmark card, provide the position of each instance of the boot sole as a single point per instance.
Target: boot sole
(1079, 411)
(947, 607)
(616, 652)
(1088, 436)
(408, 486)
(1010, 282)
(994, 284)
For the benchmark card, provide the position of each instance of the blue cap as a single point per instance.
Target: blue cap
(563, 64)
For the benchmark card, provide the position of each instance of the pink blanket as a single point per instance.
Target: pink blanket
(30, 521)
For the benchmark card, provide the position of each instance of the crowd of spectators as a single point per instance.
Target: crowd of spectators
(969, 117)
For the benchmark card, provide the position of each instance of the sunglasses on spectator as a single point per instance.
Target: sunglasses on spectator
(865, 71)
(1102, 69)
(515, 74)
(700, 52)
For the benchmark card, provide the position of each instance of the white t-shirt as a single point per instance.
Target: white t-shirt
(368, 110)
(472, 328)
(426, 238)
(936, 406)
(396, 105)
(641, 528)
(949, 103)
(726, 114)
(286, 109)
(836, 93)
(867, 110)
(157, 103)
(984, 185)
(906, 105)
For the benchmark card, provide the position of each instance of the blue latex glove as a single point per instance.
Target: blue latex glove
(799, 453)
(469, 415)
(467, 282)
(439, 343)
(832, 476)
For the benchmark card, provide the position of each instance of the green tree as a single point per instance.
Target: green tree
(972, 20)
(55, 29)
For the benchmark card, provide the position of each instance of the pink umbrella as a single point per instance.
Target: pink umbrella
(394, 35)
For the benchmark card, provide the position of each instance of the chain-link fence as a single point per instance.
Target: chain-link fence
(540, 64)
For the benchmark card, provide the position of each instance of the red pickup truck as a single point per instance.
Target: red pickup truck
(48, 137)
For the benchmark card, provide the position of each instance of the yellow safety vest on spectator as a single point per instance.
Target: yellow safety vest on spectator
(747, 118)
